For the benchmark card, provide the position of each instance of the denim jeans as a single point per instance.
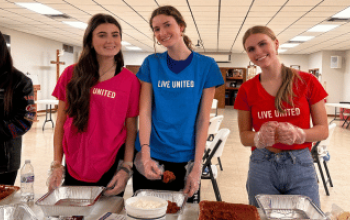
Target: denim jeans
(286, 173)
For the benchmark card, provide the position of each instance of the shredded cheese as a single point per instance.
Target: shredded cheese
(146, 204)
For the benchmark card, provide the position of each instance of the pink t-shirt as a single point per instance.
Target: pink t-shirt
(254, 98)
(92, 153)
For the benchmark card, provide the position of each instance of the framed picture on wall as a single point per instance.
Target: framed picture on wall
(295, 67)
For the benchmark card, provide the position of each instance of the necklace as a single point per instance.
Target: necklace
(107, 70)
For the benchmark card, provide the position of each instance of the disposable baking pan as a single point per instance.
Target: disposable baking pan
(8, 198)
(21, 211)
(70, 200)
(173, 196)
(289, 207)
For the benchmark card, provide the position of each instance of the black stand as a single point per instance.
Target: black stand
(48, 112)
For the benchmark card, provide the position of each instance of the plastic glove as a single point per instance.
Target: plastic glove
(146, 166)
(192, 181)
(290, 134)
(56, 176)
(118, 183)
(266, 136)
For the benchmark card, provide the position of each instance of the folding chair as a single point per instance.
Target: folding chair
(346, 115)
(214, 127)
(215, 150)
(318, 151)
(214, 106)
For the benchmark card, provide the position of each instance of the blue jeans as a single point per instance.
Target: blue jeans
(289, 173)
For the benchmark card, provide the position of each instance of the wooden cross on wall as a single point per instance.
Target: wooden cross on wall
(58, 63)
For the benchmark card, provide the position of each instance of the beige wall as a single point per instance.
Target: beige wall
(32, 54)
(346, 86)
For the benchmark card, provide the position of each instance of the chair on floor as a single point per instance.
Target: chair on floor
(214, 127)
(318, 151)
(346, 115)
(214, 150)
(214, 106)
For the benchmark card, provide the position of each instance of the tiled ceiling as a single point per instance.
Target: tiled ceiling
(218, 24)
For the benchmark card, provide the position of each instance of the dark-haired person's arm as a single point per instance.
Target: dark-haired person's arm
(56, 170)
(121, 177)
(19, 120)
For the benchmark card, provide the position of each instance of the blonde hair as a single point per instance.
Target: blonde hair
(285, 92)
(173, 12)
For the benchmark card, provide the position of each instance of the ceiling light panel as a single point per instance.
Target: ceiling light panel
(125, 43)
(39, 8)
(302, 38)
(288, 45)
(133, 48)
(281, 50)
(76, 24)
(323, 27)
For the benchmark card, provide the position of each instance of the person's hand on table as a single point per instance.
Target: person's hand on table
(192, 181)
(146, 166)
(56, 176)
(119, 181)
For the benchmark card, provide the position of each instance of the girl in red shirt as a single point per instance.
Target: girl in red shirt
(274, 111)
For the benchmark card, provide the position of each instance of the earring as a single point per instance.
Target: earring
(158, 42)
(182, 34)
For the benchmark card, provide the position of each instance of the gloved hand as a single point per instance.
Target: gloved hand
(56, 175)
(146, 166)
(290, 134)
(118, 183)
(266, 136)
(192, 181)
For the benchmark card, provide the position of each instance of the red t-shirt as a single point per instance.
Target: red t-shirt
(92, 153)
(254, 98)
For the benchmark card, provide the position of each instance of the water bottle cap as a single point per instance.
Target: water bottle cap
(27, 161)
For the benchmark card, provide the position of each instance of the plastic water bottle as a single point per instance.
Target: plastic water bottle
(327, 157)
(27, 181)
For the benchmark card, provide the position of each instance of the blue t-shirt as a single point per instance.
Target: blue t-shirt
(175, 104)
(177, 66)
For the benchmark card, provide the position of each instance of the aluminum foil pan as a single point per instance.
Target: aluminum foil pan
(70, 200)
(172, 196)
(8, 199)
(289, 207)
(16, 212)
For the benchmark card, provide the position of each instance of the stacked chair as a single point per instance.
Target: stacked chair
(214, 126)
(215, 149)
(318, 152)
(214, 106)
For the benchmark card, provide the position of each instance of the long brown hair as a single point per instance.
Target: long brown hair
(173, 12)
(285, 92)
(6, 67)
(86, 74)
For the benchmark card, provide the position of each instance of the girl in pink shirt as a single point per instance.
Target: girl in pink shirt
(98, 106)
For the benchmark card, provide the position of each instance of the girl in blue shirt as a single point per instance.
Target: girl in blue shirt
(177, 90)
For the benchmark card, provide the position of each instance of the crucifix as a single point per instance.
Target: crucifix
(58, 63)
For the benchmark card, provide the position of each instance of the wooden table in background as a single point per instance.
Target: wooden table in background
(49, 103)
